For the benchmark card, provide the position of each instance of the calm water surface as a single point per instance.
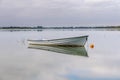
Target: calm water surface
(18, 62)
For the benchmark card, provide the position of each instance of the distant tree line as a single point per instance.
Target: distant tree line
(18, 27)
(41, 27)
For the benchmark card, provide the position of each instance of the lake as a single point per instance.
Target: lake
(19, 62)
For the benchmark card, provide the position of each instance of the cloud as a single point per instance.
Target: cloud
(57, 12)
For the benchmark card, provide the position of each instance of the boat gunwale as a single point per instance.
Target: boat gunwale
(62, 45)
(60, 38)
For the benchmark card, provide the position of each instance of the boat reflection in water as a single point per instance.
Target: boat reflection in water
(72, 45)
(80, 51)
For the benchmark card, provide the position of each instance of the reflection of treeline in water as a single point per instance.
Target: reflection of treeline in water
(41, 27)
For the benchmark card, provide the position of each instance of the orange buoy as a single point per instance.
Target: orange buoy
(92, 46)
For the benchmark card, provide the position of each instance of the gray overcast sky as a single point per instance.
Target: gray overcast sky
(59, 12)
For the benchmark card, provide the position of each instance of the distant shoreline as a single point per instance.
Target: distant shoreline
(41, 27)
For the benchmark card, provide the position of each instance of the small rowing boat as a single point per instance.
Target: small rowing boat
(64, 42)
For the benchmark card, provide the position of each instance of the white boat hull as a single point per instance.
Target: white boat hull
(73, 41)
